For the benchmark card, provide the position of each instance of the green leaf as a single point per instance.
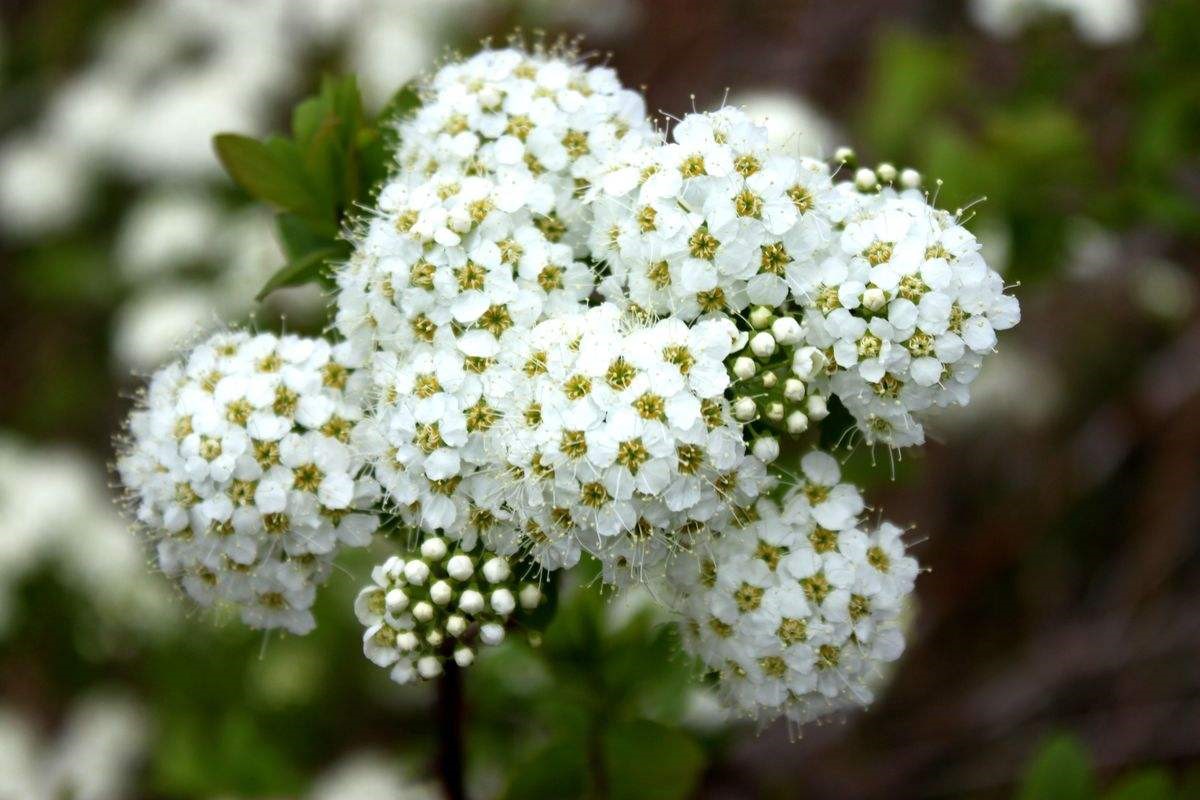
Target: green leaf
(298, 237)
(646, 760)
(557, 771)
(1148, 784)
(1061, 770)
(306, 269)
(272, 171)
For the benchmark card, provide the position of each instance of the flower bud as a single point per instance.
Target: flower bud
(440, 593)
(774, 411)
(797, 422)
(491, 633)
(422, 612)
(760, 317)
(744, 409)
(471, 602)
(496, 570)
(434, 638)
(744, 368)
(910, 178)
(406, 641)
(503, 602)
(765, 449)
(456, 625)
(396, 601)
(393, 567)
(874, 299)
(886, 172)
(786, 331)
(763, 344)
(865, 179)
(806, 362)
(428, 667)
(464, 656)
(843, 154)
(433, 549)
(416, 572)
(769, 379)
(459, 567)
(530, 596)
(793, 390)
(817, 407)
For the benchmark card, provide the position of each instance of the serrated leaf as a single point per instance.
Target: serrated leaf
(306, 269)
(645, 760)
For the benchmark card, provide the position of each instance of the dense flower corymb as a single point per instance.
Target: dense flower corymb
(238, 464)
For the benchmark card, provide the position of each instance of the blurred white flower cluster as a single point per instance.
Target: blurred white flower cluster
(95, 755)
(584, 335)
(57, 514)
(1102, 22)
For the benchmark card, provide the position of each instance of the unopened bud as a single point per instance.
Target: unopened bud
(434, 638)
(818, 409)
(433, 548)
(428, 667)
(760, 317)
(774, 411)
(910, 178)
(786, 331)
(530, 596)
(471, 602)
(496, 569)
(459, 567)
(396, 601)
(744, 409)
(769, 379)
(744, 368)
(793, 390)
(491, 633)
(762, 344)
(765, 449)
(464, 656)
(797, 422)
(806, 362)
(440, 593)
(422, 612)
(874, 299)
(503, 601)
(886, 172)
(406, 641)
(865, 179)
(416, 572)
(843, 154)
(456, 625)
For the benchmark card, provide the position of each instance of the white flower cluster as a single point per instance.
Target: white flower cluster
(440, 602)
(537, 118)
(562, 334)
(796, 607)
(859, 289)
(238, 462)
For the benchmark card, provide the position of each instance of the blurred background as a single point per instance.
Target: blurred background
(1055, 651)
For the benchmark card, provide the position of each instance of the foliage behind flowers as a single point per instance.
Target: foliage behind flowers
(583, 336)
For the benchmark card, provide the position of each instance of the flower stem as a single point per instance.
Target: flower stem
(450, 715)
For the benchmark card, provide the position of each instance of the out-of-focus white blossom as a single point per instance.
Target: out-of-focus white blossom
(369, 775)
(794, 126)
(1102, 22)
(55, 512)
(95, 755)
